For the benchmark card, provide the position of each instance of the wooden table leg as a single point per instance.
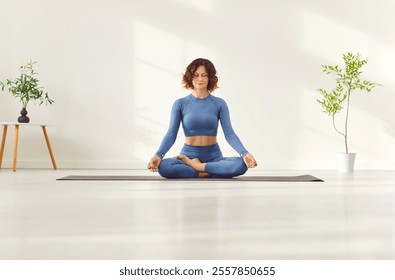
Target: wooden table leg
(49, 148)
(3, 143)
(15, 147)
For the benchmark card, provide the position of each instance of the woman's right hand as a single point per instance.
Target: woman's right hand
(153, 165)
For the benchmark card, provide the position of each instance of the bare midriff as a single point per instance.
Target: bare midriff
(201, 140)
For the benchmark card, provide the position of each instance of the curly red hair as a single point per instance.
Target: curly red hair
(210, 69)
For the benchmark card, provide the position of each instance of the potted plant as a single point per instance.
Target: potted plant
(26, 88)
(347, 81)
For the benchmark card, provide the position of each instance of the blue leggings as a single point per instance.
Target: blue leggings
(216, 164)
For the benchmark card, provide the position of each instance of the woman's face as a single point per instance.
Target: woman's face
(200, 78)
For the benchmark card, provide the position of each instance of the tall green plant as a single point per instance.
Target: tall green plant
(347, 81)
(26, 86)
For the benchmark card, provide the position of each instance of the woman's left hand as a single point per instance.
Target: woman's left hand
(250, 161)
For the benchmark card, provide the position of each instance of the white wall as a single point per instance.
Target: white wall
(114, 69)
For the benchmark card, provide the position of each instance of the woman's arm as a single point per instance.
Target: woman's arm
(171, 134)
(230, 135)
(233, 139)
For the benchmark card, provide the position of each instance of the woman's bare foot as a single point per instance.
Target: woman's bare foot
(194, 163)
(201, 174)
(204, 175)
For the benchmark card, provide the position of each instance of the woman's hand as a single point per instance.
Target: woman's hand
(250, 161)
(153, 165)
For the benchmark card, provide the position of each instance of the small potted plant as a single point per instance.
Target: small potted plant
(347, 81)
(26, 88)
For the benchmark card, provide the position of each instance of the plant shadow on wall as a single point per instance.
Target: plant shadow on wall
(347, 81)
(26, 88)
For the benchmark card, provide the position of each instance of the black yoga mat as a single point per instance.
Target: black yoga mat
(301, 178)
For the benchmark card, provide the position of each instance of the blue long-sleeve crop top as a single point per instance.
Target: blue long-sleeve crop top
(199, 117)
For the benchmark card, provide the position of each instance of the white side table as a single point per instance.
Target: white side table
(17, 125)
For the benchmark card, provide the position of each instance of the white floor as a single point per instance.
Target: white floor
(345, 217)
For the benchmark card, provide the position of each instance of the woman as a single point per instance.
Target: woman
(199, 113)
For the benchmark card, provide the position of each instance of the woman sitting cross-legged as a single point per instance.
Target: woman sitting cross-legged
(199, 113)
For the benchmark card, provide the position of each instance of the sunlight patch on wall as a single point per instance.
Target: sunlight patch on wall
(158, 48)
(328, 39)
(158, 60)
(195, 50)
(366, 136)
(203, 5)
(381, 65)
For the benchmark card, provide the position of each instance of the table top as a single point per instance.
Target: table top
(23, 124)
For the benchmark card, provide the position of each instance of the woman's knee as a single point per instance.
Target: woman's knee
(165, 168)
(231, 167)
(239, 167)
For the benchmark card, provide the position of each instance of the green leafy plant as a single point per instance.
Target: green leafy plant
(26, 86)
(347, 81)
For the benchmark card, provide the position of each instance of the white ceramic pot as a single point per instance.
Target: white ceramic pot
(345, 162)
